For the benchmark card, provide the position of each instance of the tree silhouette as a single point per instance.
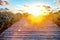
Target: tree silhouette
(6, 19)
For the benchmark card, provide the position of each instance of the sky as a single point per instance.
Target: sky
(17, 4)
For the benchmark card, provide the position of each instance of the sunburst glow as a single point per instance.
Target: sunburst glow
(37, 13)
(36, 10)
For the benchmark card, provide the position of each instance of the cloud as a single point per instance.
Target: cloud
(7, 3)
(4, 2)
(57, 2)
(0, 2)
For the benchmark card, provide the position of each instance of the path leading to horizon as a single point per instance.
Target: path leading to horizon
(22, 30)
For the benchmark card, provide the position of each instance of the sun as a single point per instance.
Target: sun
(37, 13)
(36, 10)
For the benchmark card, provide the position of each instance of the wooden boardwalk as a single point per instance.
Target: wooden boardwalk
(22, 30)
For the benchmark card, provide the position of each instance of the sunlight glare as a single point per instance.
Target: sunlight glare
(36, 10)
